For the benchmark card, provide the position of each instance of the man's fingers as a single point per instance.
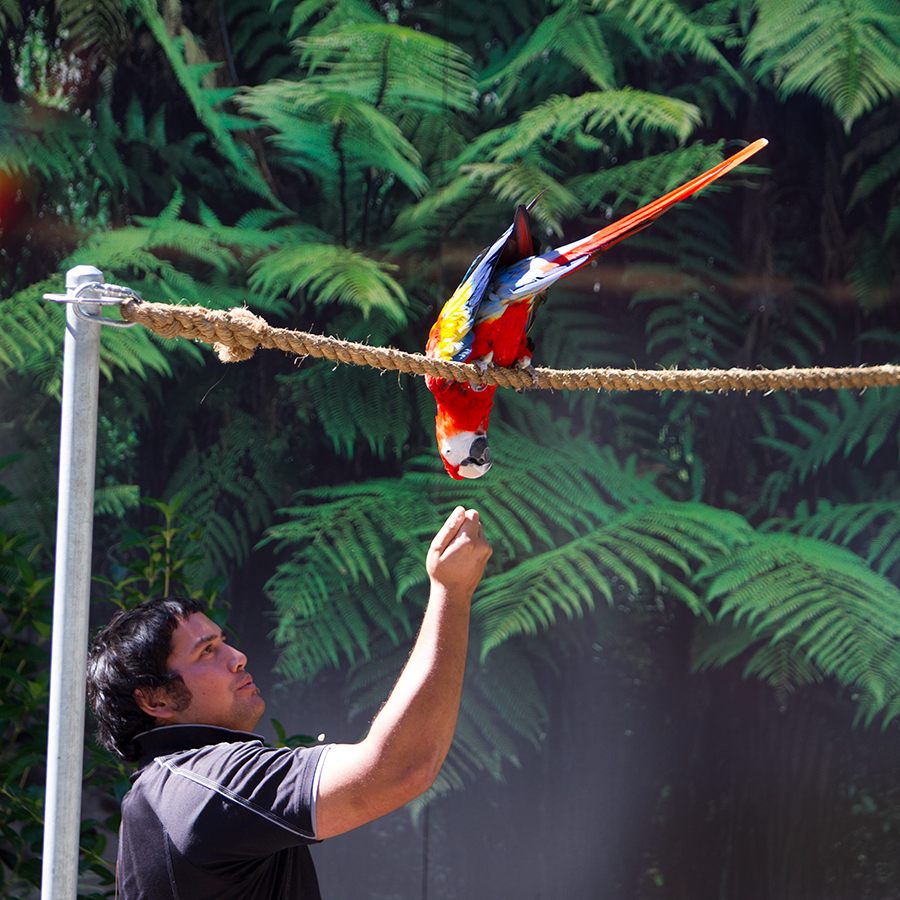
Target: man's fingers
(449, 530)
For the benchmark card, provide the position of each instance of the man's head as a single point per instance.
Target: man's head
(166, 663)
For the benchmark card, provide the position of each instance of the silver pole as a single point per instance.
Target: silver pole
(71, 593)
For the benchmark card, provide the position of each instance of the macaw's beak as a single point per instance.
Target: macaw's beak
(479, 459)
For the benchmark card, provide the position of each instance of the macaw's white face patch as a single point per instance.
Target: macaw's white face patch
(467, 452)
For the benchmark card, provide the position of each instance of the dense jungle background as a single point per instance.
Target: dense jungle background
(685, 671)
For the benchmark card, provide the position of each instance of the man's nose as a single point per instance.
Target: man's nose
(238, 660)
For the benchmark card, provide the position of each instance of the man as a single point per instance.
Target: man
(212, 813)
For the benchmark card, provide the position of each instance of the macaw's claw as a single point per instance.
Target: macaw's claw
(482, 364)
(526, 366)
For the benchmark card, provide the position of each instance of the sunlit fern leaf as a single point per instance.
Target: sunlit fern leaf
(843, 617)
(568, 32)
(211, 258)
(626, 110)
(390, 66)
(844, 54)
(644, 544)
(341, 630)
(61, 147)
(323, 131)
(328, 15)
(31, 338)
(353, 536)
(329, 273)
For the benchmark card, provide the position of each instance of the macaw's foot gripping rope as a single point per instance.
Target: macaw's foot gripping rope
(236, 334)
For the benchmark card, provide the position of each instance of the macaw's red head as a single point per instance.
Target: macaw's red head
(461, 426)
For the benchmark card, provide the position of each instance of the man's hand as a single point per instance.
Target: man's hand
(458, 554)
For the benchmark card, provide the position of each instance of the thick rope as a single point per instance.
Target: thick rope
(236, 334)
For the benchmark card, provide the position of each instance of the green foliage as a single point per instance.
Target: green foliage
(155, 562)
(824, 602)
(335, 164)
(820, 432)
(843, 53)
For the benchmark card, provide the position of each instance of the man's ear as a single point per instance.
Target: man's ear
(155, 702)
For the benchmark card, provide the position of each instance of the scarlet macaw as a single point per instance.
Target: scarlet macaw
(486, 321)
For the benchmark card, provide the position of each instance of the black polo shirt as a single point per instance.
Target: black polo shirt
(214, 814)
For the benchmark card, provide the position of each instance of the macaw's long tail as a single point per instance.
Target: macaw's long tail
(537, 274)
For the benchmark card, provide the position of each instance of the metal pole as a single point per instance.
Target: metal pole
(71, 594)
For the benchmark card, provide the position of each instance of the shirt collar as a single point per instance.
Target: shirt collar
(177, 738)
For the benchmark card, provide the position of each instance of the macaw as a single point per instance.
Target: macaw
(486, 321)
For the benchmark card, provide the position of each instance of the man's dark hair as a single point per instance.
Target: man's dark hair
(131, 653)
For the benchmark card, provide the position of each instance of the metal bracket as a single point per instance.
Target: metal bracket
(110, 295)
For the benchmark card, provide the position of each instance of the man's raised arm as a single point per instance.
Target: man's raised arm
(401, 755)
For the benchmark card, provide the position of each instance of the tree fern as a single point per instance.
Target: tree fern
(839, 614)
(818, 432)
(232, 487)
(870, 529)
(656, 546)
(675, 30)
(328, 273)
(715, 644)
(567, 31)
(390, 67)
(846, 54)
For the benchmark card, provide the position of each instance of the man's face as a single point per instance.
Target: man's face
(222, 691)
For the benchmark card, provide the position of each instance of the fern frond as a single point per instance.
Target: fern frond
(826, 430)
(844, 54)
(576, 37)
(835, 610)
(639, 181)
(644, 544)
(390, 66)
(232, 487)
(668, 23)
(116, 499)
(329, 273)
(501, 704)
(98, 25)
(715, 644)
(314, 126)
(870, 529)
(626, 110)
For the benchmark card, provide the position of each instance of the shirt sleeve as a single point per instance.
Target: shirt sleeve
(242, 800)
